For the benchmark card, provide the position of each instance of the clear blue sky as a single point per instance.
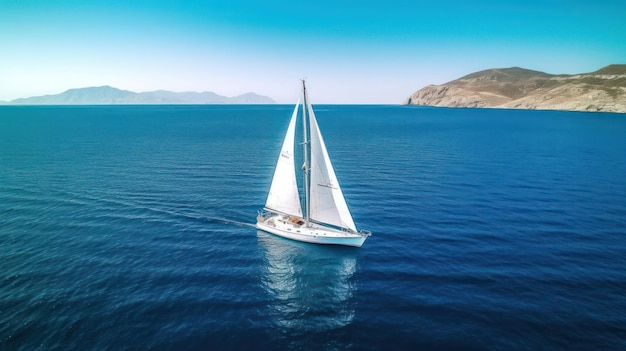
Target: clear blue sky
(350, 51)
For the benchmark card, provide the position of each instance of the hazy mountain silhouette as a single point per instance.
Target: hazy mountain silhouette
(108, 95)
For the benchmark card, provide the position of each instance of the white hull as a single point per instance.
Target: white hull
(282, 226)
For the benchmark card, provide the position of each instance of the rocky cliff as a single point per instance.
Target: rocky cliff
(603, 90)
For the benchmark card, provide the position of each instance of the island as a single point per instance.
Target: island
(107, 95)
(601, 91)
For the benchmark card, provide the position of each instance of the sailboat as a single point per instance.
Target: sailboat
(326, 218)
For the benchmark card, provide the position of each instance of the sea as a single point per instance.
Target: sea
(132, 228)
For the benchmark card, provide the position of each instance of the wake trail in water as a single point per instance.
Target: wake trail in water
(225, 221)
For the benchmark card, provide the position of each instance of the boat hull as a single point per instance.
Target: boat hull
(278, 225)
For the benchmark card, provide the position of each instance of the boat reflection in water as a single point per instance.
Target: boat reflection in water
(310, 287)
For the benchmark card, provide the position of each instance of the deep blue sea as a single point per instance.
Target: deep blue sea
(131, 228)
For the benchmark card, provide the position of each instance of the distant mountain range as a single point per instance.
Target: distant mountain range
(106, 95)
(603, 90)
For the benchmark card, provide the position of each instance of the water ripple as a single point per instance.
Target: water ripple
(131, 227)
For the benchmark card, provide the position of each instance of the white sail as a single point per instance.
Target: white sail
(283, 195)
(327, 204)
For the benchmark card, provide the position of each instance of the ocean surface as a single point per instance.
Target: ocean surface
(131, 228)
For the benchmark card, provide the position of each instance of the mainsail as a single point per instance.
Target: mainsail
(283, 196)
(327, 204)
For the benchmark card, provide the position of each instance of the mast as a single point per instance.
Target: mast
(306, 168)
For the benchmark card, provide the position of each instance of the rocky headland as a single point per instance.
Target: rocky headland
(601, 91)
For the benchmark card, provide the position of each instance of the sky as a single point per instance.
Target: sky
(350, 52)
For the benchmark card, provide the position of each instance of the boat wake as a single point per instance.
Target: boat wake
(226, 221)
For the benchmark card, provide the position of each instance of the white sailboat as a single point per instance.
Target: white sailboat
(326, 218)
